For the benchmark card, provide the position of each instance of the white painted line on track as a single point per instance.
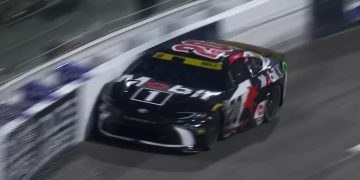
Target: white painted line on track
(350, 103)
(33, 37)
(329, 167)
(354, 150)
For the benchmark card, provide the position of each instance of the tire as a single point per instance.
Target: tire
(213, 132)
(273, 104)
(92, 133)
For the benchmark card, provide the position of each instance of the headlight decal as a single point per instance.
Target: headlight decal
(216, 107)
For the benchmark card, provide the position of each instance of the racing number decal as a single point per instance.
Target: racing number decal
(242, 101)
(202, 48)
(151, 96)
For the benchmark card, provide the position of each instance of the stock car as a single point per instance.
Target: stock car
(189, 94)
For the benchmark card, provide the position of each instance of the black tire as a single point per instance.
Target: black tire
(273, 104)
(92, 132)
(213, 132)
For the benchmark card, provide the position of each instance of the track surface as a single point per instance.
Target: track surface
(319, 122)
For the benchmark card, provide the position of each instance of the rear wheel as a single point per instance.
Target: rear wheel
(273, 104)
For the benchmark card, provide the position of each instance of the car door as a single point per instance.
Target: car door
(248, 99)
(235, 105)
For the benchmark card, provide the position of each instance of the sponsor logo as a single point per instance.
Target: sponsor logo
(202, 48)
(158, 93)
(272, 76)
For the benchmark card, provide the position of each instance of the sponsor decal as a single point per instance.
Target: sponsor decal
(235, 106)
(236, 57)
(285, 68)
(270, 76)
(216, 107)
(245, 54)
(151, 96)
(250, 102)
(157, 85)
(189, 61)
(160, 93)
(260, 110)
(202, 48)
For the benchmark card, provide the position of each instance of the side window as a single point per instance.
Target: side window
(255, 65)
(239, 71)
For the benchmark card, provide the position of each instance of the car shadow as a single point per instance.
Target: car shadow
(132, 155)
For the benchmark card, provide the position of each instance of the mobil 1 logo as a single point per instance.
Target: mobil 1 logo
(151, 96)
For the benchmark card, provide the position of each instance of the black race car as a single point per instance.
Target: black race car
(192, 93)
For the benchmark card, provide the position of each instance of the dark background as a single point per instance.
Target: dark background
(31, 38)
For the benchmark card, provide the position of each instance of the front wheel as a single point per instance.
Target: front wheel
(273, 104)
(212, 134)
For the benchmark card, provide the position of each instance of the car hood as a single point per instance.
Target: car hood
(144, 94)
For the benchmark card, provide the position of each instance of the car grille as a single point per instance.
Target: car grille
(142, 129)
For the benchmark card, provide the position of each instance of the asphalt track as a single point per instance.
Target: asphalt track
(318, 124)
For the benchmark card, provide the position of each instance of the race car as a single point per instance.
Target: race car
(188, 95)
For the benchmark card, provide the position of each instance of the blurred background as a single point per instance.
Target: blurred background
(35, 31)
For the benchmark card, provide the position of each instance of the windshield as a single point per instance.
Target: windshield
(182, 74)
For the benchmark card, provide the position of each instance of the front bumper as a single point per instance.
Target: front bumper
(162, 135)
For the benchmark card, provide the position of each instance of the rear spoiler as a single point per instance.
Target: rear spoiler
(266, 52)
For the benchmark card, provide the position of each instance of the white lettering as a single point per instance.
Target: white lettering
(197, 93)
(180, 90)
(152, 95)
(125, 77)
(129, 81)
(208, 94)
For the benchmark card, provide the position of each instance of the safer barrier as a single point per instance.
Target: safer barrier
(56, 116)
(39, 133)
